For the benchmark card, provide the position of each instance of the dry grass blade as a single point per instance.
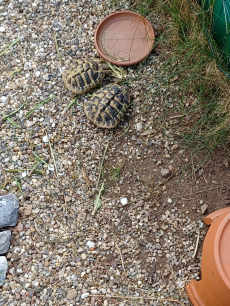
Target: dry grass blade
(117, 72)
(102, 161)
(93, 300)
(57, 49)
(122, 261)
(137, 298)
(97, 201)
(33, 168)
(52, 154)
(37, 229)
(197, 243)
(85, 177)
(5, 179)
(16, 170)
(196, 192)
(11, 45)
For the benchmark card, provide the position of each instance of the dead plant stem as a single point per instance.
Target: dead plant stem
(102, 161)
(57, 49)
(188, 194)
(122, 261)
(197, 243)
(137, 298)
(52, 154)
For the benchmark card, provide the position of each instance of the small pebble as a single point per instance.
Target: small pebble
(72, 293)
(51, 168)
(84, 295)
(5, 241)
(4, 99)
(3, 269)
(165, 172)
(45, 138)
(138, 127)
(124, 201)
(203, 208)
(25, 173)
(9, 208)
(83, 256)
(28, 210)
(90, 245)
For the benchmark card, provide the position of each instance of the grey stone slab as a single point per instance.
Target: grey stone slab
(5, 241)
(3, 269)
(9, 207)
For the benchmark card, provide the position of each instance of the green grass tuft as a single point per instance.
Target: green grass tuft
(190, 66)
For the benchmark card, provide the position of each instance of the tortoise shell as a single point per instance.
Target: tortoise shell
(108, 105)
(83, 75)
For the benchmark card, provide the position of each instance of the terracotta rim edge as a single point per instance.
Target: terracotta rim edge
(219, 232)
(190, 288)
(115, 62)
(212, 216)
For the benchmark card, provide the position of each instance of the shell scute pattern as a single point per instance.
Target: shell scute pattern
(108, 105)
(83, 75)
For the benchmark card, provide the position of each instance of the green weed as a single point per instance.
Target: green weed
(191, 77)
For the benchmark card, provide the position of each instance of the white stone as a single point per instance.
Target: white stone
(14, 158)
(25, 173)
(51, 168)
(2, 29)
(37, 74)
(124, 201)
(138, 126)
(90, 244)
(4, 99)
(84, 295)
(169, 200)
(45, 138)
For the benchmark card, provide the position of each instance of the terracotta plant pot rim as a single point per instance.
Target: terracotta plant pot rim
(214, 287)
(218, 237)
(143, 46)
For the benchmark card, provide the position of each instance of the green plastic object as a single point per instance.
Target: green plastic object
(220, 29)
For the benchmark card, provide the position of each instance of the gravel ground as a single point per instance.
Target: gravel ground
(140, 250)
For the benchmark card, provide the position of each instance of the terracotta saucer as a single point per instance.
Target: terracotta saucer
(124, 38)
(214, 287)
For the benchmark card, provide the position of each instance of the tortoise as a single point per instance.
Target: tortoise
(108, 105)
(84, 74)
